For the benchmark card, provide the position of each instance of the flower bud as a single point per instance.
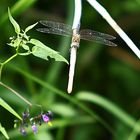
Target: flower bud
(34, 128)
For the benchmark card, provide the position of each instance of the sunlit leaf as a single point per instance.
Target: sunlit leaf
(15, 43)
(43, 134)
(7, 107)
(42, 51)
(25, 47)
(63, 109)
(3, 131)
(133, 135)
(30, 27)
(14, 23)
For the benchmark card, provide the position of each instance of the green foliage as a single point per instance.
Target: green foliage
(42, 51)
(30, 27)
(18, 7)
(64, 110)
(2, 129)
(7, 107)
(131, 6)
(22, 40)
(39, 49)
(14, 23)
(108, 108)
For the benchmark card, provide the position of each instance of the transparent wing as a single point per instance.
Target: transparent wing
(54, 31)
(56, 25)
(97, 39)
(94, 34)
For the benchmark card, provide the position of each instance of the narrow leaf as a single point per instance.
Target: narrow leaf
(42, 51)
(7, 107)
(109, 106)
(133, 135)
(14, 23)
(64, 109)
(3, 131)
(30, 27)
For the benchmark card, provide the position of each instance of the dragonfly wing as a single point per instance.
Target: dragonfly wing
(93, 34)
(97, 39)
(56, 25)
(54, 31)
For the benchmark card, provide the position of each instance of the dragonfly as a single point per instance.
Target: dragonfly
(84, 34)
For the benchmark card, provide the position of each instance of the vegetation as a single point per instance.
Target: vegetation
(104, 104)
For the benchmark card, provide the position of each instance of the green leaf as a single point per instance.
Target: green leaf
(30, 27)
(25, 47)
(133, 135)
(15, 43)
(3, 131)
(42, 51)
(63, 109)
(7, 107)
(43, 134)
(14, 23)
(109, 106)
(131, 6)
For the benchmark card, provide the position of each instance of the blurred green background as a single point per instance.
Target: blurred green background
(105, 101)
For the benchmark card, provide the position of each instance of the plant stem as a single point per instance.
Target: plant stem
(2, 64)
(102, 11)
(16, 93)
(9, 59)
(64, 95)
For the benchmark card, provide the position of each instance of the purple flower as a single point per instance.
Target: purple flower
(34, 128)
(23, 131)
(25, 115)
(45, 118)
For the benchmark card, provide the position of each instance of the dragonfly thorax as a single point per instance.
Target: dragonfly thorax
(75, 40)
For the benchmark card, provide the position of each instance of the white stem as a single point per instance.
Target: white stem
(114, 25)
(75, 27)
(77, 14)
(72, 68)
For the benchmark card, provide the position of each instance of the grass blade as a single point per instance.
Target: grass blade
(7, 107)
(3, 131)
(109, 106)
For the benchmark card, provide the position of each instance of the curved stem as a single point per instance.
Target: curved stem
(101, 10)
(9, 59)
(3, 63)
(16, 93)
